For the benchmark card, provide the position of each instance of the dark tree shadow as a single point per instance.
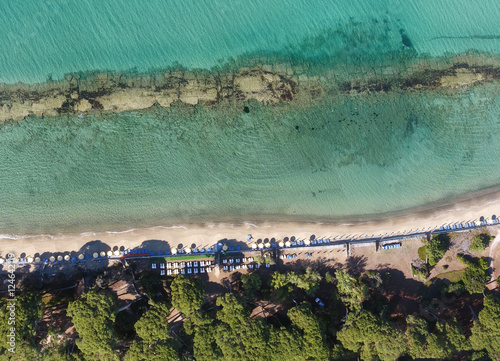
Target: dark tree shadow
(356, 264)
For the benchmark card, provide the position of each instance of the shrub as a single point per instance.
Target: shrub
(422, 253)
(445, 267)
(480, 242)
(421, 272)
(437, 248)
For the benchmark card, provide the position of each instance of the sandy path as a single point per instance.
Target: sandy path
(494, 255)
(483, 205)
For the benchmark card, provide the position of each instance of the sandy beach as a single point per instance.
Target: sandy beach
(480, 204)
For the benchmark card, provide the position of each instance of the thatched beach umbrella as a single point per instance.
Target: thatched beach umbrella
(66, 258)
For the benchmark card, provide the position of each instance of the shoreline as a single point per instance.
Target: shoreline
(484, 203)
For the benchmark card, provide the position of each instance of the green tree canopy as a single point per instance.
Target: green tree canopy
(436, 248)
(251, 284)
(480, 242)
(93, 317)
(351, 290)
(308, 281)
(486, 330)
(312, 333)
(28, 311)
(445, 341)
(188, 295)
(140, 351)
(153, 326)
(476, 274)
(237, 336)
(371, 337)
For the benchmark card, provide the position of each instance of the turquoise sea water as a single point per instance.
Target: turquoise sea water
(348, 157)
(341, 158)
(42, 38)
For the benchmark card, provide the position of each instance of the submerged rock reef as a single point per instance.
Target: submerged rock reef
(349, 59)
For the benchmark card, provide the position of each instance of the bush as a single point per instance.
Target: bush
(445, 267)
(480, 242)
(421, 273)
(437, 248)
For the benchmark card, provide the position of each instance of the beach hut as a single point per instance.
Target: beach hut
(66, 258)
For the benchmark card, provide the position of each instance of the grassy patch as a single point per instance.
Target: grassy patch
(422, 253)
(182, 258)
(452, 276)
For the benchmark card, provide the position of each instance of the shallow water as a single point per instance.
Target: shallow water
(348, 157)
(340, 157)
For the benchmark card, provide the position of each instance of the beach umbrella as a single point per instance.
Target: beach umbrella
(66, 258)
(261, 246)
(281, 244)
(187, 249)
(30, 259)
(52, 259)
(307, 242)
(110, 253)
(59, 258)
(37, 259)
(224, 247)
(288, 243)
(117, 253)
(103, 253)
(268, 245)
(254, 246)
(2, 261)
(95, 255)
(174, 251)
(80, 256)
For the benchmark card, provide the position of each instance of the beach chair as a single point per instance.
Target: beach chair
(152, 253)
(167, 253)
(238, 248)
